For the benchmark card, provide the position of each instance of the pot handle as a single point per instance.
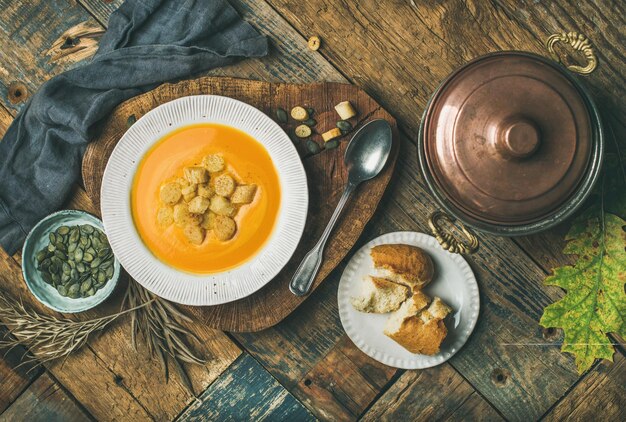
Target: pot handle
(578, 42)
(447, 239)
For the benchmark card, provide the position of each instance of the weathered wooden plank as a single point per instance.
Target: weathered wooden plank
(44, 401)
(28, 31)
(246, 392)
(343, 383)
(14, 378)
(431, 394)
(599, 396)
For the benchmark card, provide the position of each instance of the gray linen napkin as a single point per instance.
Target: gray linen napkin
(147, 43)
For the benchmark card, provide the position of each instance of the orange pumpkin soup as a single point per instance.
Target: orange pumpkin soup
(246, 160)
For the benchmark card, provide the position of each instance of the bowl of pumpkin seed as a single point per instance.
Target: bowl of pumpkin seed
(67, 262)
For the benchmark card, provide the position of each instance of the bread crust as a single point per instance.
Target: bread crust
(404, 264)
(419, 337)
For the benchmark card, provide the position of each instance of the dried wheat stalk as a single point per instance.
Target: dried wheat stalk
(160, 325)
(47, 337)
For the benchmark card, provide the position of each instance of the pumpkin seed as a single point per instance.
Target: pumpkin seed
(62, 290)
(78, 255)
(80, 267)
(46, 277)
(51, 247)
(310, 111)
(41, 255)
(86, 228)
(65, 278)
(72, 247)
(95, 263)
(344, 126)
(131, 120)
(109, 272)
(66, 268)
(55, 278)
(52, 237)
(60, 246)
(86, 285)
(281, 115)
(312, 147)
(87, 257)
(91, 250)
(103, 252)
(90, 292)
(74, 235)
(63, 230)
(61, 255)
(310, 122)
(73, 290)
(331, 144)
(101, 277)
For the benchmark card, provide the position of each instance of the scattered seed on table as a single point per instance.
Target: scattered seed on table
(131, 120)
(344, 126)
(310, 122)
(332, 144)
(281, 115)
(312, 147)
(310, 110)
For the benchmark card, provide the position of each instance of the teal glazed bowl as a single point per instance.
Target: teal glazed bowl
(36, 240)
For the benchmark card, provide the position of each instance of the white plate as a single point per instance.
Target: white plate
(454, 282)
(141, 264)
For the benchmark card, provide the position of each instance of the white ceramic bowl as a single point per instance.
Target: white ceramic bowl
(168, 282)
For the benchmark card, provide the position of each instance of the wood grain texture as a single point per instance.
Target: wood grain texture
(325, 171)
(28, 31)
(246, 392)
(44, 401)
(431, 394)
(600, 395)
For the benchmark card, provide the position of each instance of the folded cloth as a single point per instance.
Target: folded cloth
(148, 42)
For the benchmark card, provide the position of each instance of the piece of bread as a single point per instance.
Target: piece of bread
(170, 193)
(379, 296)
(222, 206)
(196, 175)
(418, 324)
(224, 227)
(213, 163)
(224, 185)
(404, 264)
(244, 194)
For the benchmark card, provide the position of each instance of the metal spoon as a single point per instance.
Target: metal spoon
(365, 157)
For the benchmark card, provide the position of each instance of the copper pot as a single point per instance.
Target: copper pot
(510, 144)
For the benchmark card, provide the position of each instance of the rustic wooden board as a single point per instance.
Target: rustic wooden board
(246, 392)
(326, 176)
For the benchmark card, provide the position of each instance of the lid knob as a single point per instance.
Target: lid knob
(519, 138)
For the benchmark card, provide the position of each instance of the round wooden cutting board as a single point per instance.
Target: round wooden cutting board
(326, 176)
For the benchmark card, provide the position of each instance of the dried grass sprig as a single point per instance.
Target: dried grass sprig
(47, 337)
(160, 324)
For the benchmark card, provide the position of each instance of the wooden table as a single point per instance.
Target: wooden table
(306, 367)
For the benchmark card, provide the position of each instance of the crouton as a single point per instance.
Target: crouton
(182, 216)
(205, 191)
(165, 216)
(224, 228)
(224, 185)
(208, 220)
(196, 175)
(189, 192)
(213, 163)
(221, 206)
(170, 193)
(194, 234)
(198, 205)
(244, 194)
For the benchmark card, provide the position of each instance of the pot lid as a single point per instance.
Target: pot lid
(507, 138)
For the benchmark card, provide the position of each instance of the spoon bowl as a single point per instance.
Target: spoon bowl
(368, 151)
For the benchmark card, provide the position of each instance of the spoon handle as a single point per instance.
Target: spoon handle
(310, 265)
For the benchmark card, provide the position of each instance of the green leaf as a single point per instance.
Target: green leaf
(595, 303)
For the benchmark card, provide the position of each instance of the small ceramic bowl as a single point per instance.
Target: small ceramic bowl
(38, 239)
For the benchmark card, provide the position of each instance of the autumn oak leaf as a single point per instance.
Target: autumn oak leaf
(595, 302)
